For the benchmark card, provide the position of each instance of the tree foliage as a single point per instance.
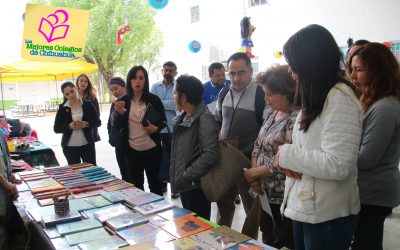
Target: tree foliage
(141, 45)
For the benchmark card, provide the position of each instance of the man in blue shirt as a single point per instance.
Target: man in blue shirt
(165, 89)
(216, 72)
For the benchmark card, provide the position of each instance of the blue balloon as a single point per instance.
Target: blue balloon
(158, 4)
(194, 46)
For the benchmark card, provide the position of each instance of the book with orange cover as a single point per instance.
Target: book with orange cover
(185, 226)
(47, 189)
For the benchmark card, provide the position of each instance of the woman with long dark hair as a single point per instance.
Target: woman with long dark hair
(321, 193)
(142, 143)
(375, 71)
(76, 119)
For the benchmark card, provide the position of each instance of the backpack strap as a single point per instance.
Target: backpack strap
(221, 98)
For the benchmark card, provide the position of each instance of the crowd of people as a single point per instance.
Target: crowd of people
(323, 139)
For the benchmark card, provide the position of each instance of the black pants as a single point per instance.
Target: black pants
(278, 234)
(369, 231)
(120, 155)
(195, 201)
(139, 161)
(85, 153)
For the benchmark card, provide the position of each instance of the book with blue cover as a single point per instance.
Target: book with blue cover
(111, 198)
(78, 226)
(59, 243)
(174, 213)
(126, 220)
(154, 207)
(142, 199)
(111, 212)
(98, 201)
(52, 232)
(85, 236)
(144, 233)
(109, 242)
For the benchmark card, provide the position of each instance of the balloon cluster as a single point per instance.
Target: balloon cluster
(122, 31)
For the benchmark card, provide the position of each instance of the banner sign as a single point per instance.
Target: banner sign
(54, 33)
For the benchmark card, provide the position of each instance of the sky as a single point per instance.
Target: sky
(11, 30)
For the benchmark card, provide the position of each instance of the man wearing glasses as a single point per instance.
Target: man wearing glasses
(240, 110)
(164, 89)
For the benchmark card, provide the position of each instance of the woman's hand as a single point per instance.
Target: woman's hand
(287, 172)
(150, 128)
(256, 185)
(252, 174)
(119, 107)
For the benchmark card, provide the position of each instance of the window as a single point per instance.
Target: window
(253, 3)
(195, 14)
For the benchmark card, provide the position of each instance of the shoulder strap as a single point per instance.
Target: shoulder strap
(259, 104)
(221, 98)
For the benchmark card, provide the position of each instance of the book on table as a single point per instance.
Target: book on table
(110, 212)
(111, 198)
(60, 243)
(252, 244)
(155, 207)
(174, 213)
(78, 226)
(156, 220)
(126, 220)
(185, 226)
(90, 212)
(150, 114)
(219, 238)
(145, 233)
(109, 242)
(52, 232)
(140, 246)
(53, 219)
(98, 201)
(85, 236)
(181, 244)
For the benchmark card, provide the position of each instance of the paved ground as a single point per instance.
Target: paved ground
(106, 158)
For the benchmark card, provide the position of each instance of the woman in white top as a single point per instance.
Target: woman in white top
(76, 119)
(321, 193)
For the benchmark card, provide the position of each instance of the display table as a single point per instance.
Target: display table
(39, 154)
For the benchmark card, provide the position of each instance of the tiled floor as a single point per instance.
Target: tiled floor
(106, 158)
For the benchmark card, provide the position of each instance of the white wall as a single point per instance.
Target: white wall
(275, 23)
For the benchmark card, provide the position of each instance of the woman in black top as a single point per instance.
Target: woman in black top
(142, 143)
(76, 119)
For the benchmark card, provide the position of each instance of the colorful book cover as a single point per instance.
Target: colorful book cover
(78, 226)
(111, 198)
(111, 212)
(126, 220)
(154, 207)
(136, 232)
(118, 186)
(60, 243)
(156, 220)
(145, 233)
(52, 232)
(53, 219)
(174, 213)
(185, 226)
(109, 242)
(85, 236)
(252, 245)
(219, 238)
(156, 237)
(87, 194)
(98, 201)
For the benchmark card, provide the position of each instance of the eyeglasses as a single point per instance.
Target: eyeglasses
(240, 73)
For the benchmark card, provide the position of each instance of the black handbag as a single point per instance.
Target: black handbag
(115, 136)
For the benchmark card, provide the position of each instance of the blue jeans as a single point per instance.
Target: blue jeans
(335, 234)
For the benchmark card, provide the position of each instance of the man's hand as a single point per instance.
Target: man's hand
(12, 190)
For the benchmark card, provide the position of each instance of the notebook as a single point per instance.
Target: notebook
(126, 220)
(150, 114)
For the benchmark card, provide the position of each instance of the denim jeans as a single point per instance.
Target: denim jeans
(335, 234)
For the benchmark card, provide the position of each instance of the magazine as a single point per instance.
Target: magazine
(154, 207)
(126, 220)
(185, 226)
(78, 226)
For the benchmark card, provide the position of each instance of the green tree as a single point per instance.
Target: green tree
(141, 45)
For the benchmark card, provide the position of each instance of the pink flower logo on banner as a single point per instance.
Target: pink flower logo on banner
(53, 27)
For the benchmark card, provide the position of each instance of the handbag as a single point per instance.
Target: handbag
(229, 168)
